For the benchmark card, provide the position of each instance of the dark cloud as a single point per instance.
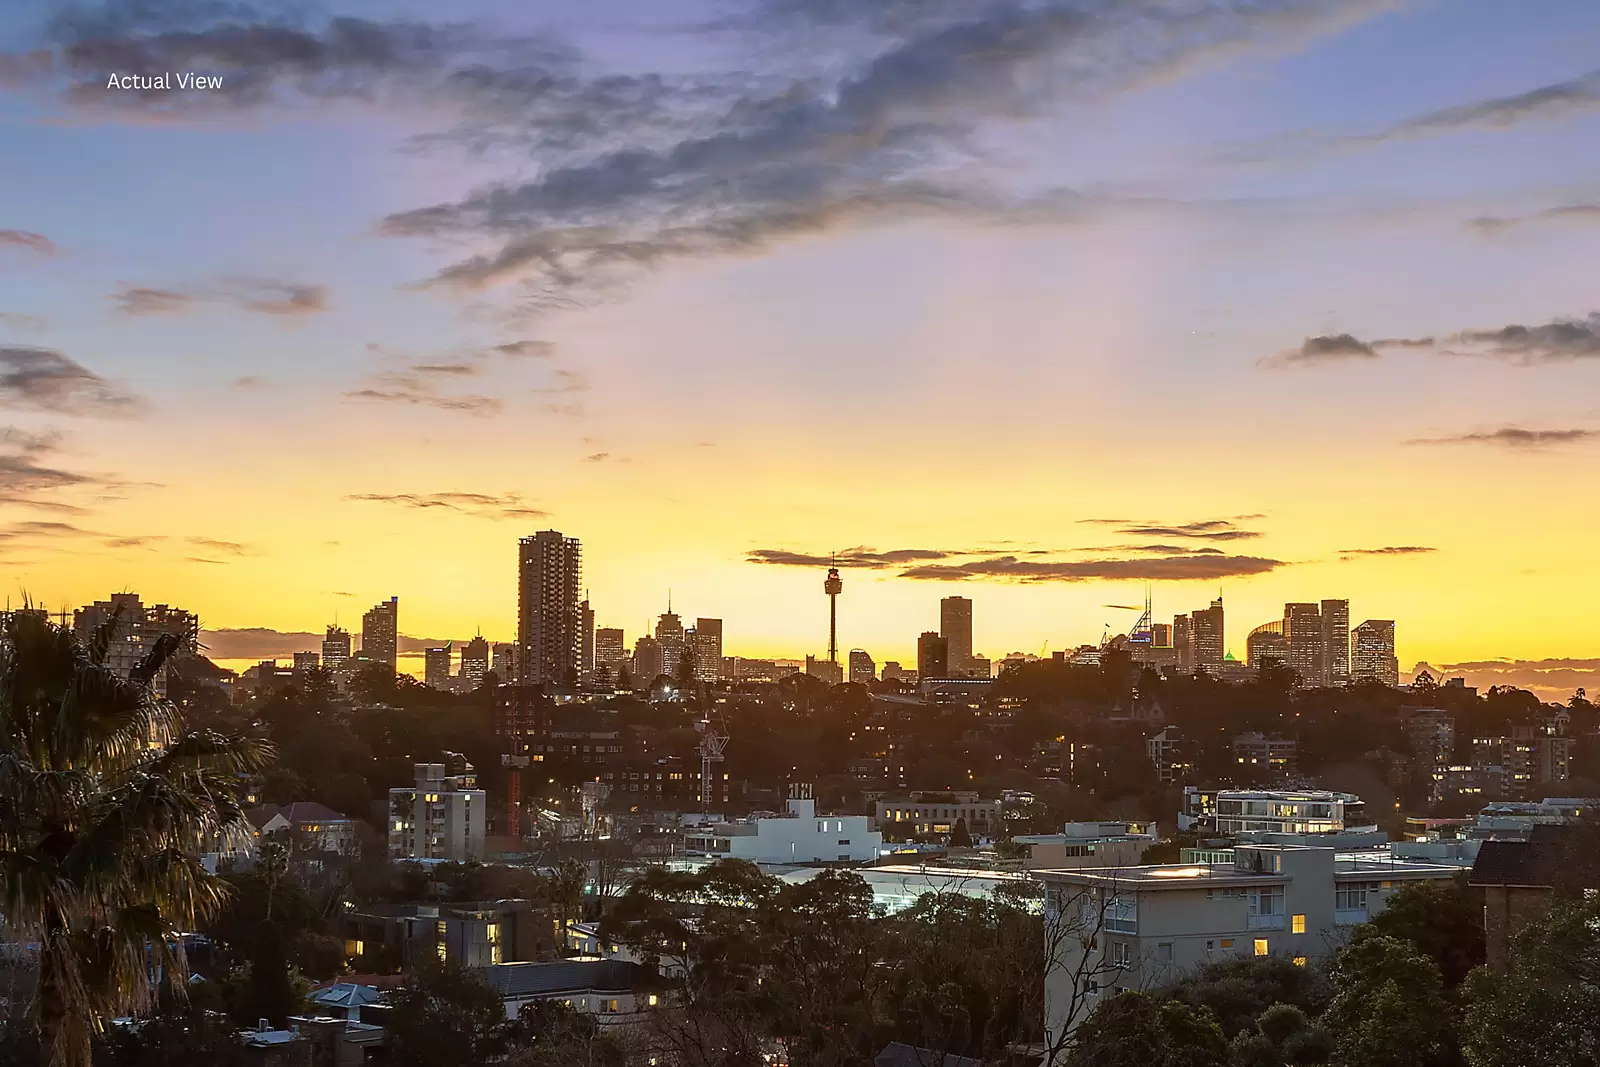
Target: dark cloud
(1123, 607)
(461, 370)
(864, 558)
(880, 138)
(1549, 679)
(231, 548)
(487, 505)
(527, 349)
(1339, 348)
(1555, 100)
(257, 642)
(1562, 341)
(43, 379)
(142, 300)
(280, 299)
(1512, 437)
(28, 241)
(1209, 530)
(597, 457)
(1387, 550)
(391, 388)
(1584, 213)
(1174, 568)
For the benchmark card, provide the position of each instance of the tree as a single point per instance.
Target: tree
(105, 805)
(1139, 1030)
(960, 837)
(446, 1017)
(1441, 920)
(1388, 1007)
(1237, 991)
(1544, 1007)
(1281, 1036)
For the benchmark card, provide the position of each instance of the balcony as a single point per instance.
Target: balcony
(1349, 916)
(1264, 922)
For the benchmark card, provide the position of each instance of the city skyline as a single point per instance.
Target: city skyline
(1288, 303)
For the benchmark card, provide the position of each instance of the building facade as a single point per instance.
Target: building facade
(380, 633)
(955, 626)
(438, 817)
(1336, 642)
(707, 649)
(933, 656)
(1302, 632)
(475, 664)
(1372, 657)
(1207, 637)
(549, 621)
(862, 670)
(800, 835)
(436, 666)
(931, 812)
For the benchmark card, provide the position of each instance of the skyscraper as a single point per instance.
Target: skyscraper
(585, 639)
(1302, 633)
(1182, 643)
(1206, 636)
(1372, 657)
(1336, 642)
(335, 648)
(306, 662)
(649, 662)
(707, 649)
(504, 664)
(862, 669)
(549, 623)
(669, 632)
(933, 657)
(436, 667)
(380, 633)
(474, 663)
(955, 626)
(609, 650)
(1267, 643)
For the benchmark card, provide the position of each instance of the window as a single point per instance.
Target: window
(1298, 924)
(608, 1006)
(844, 840)
(1227, 942)
(1261, 946)
(1121, 953)
(1299, 961)
(653, 1000)
(1164, 952)
(1352, 896)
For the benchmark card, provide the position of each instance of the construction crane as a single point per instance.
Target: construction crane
(712, 744)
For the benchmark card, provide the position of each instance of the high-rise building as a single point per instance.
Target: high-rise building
(1161, 634)
(1302, 631)
(1372, 657)
(670, 635)
(609, 650)
(585, 640)
(505, 663)
(933, 657)
(336, 648)
(825, 670)
(436, 667)
(892, 671)
(1182, 644)
(649, 662)
(1266, 643)
(862, 669)
(474, 663)
(306, 662)
(1206, 636)
(137, 631)
(380, 633)
(707, 649)
(549, 622)
(1336, 642)
(955, 626)
(439, 817)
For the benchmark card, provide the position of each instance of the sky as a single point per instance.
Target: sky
(1042, 303)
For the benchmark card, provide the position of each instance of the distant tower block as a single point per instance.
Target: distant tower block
(833, 587)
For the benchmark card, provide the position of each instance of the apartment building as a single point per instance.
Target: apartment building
(799, 835)
(1269, 811)
(440, 817)
(938, 812)
(1125, 928)
(1089, 844)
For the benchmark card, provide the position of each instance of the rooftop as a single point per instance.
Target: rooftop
(561, 976)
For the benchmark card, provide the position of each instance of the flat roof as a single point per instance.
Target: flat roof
(1180, 875)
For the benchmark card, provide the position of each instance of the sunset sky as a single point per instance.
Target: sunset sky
(1034, 302)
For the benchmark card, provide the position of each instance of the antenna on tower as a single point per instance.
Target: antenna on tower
(833, 586)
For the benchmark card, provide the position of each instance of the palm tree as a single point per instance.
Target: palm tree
(105, 806)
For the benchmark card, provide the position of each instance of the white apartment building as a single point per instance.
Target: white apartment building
(440, 817)
(1270, 811)
(797, 836)
(938, 812)
(1116, 929)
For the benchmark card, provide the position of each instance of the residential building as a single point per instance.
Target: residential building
(473, 934)
(436, 666)
(649, 662)
(893, 672)
(336, 649)
(1169, 754)
(610, 651)
(549, 621)
(862, 670)
(505, 663)
(613, 992)
(707, 649)
(1257, 755)
(475, 664)
(440, 816)
(933, 656)
(1372, 657)
(1518, 881)
(1140, 927)
(1207, 632)
(1432, 734)
(306, 662)
(380, 633)
(799, 835)
(1302, 631)
(825, 670)
(1250, 811)
(955, 626)
(137, 631)
(316, 826)
(938, 812)
(1336, 642)
(1089, 844)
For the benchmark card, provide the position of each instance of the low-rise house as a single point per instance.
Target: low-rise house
(799, 835)
(315, 825)
(1518, 882)
(1120, 928)
(614, 991)
(937, 812)
(466, 935)
(1089, 844)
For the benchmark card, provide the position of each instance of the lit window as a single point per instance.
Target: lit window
(1261, 946)
(1299, 961)
(653, 1000)
(1299, 924)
